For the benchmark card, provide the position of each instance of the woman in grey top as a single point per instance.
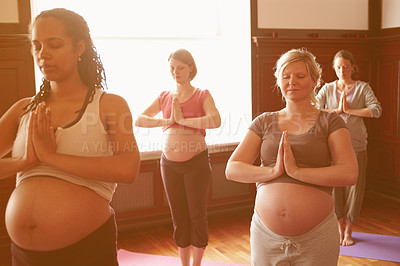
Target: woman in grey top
(304, 153)
(353, 100)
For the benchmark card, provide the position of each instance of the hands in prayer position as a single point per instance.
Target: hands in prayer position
(41, 140)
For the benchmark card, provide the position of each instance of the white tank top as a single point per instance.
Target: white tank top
(87, 137)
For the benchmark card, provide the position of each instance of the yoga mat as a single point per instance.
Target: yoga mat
(127, 258)
(372, 246)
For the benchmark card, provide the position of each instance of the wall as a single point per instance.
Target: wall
(390, 14)
(17, 81)
(9, 11)
(294, 14)
(376, 51)
(144, 204)
(384, 133)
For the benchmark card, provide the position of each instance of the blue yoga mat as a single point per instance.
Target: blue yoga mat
(372, 246)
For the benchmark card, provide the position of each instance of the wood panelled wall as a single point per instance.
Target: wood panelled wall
(378, 59)
(16, 82)
(384, 133)
(144, 204)
(266, 50)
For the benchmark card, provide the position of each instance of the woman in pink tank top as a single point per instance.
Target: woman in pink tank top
(185, 168)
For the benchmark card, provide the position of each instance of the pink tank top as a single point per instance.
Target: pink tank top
(191, 108)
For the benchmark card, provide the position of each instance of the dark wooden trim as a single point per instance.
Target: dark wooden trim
(312, 33)
(398, 99)
(155, 217)
(374, 17)
(159, 213)
(389, 32)
(383, 188)
(15, 57)
(254, 17)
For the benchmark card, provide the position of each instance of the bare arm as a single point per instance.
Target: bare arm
(240, 165)
(147, 119)
(122, 166)
(343, 171)
(9, 123)
(212, 119)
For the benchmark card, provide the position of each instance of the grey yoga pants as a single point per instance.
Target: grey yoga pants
(348, 200)
(320, 246)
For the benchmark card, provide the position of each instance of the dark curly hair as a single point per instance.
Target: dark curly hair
(90, 67)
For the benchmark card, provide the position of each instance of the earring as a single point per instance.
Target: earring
(79, 58)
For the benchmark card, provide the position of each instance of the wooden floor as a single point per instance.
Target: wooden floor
(229, 235)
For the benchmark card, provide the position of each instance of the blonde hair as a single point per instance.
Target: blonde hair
(186, 57)
(313, 68)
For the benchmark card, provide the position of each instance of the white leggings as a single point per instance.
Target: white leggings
(320, 246)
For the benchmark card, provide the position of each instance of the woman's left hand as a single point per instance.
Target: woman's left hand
(43, 136)
(178, 115)
(288, 157)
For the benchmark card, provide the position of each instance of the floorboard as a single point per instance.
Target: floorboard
(229, 235)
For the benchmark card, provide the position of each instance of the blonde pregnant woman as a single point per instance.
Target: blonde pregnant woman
(304, 153)
(185, 168)
(66, 150)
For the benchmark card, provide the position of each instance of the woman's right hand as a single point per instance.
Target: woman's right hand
(43, 134)
(174, 105)
(30, 154)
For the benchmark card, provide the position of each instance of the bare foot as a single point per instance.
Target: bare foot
(341, 224)
(347, 241)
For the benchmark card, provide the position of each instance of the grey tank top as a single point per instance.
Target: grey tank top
(310, 149)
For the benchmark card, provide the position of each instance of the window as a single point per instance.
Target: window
(134, 39)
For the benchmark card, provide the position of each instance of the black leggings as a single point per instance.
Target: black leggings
(186, 185)
(97, 249)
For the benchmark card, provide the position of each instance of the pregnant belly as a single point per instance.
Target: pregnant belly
(292, 209)
(183, 144)
(46, 213)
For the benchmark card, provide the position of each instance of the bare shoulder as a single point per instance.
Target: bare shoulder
(113, 102)
(23, 102)
(10, 120)
(111, 98)
(19, 107)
